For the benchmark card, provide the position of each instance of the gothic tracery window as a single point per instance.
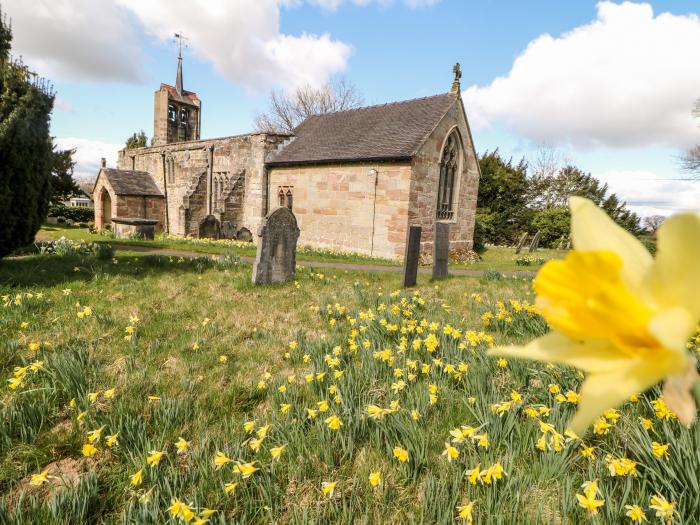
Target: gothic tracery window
(449, 165)
(285, 196)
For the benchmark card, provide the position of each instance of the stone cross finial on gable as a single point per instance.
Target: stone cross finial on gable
(457, 70)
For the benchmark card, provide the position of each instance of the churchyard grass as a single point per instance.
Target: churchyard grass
(115, 361)
(498, 258)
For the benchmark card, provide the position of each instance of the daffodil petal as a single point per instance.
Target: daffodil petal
(601, 391)
(674, 279)
(593, 230)
(672, 327)
(592, 355)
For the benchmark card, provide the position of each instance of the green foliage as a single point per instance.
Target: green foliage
(75, 213)
(137, 140)
(63, 187)
(26, 157)
(553, 191)
(553, 224)
(502, 205)
(479, 236)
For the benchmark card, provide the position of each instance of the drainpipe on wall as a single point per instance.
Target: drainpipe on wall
(165, 192)
(266, 192)
(210, 178)
(374, 206)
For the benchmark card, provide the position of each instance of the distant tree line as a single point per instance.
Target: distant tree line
(515, 198)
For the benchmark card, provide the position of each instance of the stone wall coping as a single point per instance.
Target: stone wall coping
(135, 221)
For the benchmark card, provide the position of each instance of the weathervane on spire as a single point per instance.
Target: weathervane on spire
(457, 70)
(181, 41)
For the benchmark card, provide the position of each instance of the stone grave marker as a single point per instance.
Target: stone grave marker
(228, 230)
(411, 256)
(209, 228)
(441, 249)
(535, 242)
(244, 235)
(521, 243)
(275, 261)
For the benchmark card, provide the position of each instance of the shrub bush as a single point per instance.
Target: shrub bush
(553, 224)
(75, 214)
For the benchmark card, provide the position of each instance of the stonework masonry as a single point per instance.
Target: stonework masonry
(221, 177)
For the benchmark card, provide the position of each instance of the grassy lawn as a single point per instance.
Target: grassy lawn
(495, 258)
(279, 404)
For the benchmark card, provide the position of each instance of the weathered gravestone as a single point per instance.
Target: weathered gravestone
(228, 230)
(535, 242)
(244, 235)
(441, 249)
(275, 261)
(209, 228)
(521, 243)
(411, 256)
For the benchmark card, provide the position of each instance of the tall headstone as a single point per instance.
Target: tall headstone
(535, 242)
(275, 261)
(411, 257)
(209, 228)
(441, 249)
(521, 243)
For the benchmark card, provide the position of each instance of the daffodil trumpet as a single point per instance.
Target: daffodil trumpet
(620, 315)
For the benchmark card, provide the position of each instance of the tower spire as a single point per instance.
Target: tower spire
(178, 80)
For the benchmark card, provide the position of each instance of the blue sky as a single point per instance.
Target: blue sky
(611, 87)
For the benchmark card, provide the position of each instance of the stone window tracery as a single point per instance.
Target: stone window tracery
(285, 196)
(449, 166)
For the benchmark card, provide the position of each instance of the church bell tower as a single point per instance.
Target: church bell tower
(176, 112)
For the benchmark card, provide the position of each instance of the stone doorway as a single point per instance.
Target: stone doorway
(106, 209)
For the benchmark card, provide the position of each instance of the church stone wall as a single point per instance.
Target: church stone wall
(185, 173)
(335, 205)
(424, 187)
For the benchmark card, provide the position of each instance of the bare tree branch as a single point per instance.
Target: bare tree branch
(286, 111)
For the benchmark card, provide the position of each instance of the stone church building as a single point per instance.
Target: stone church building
(354, 179)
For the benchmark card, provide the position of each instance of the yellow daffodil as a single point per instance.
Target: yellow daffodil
(136, 479)
(89, 450)
(588, 500)
(39, 479)
(401, 454)
(659, 450)
(334, 422)
(181, 445)
(276, 452)
(450, 452)
(230, 488)
(328, 488)
(663, 507)
(220, 459)
(620, 315)
(635, 513)
(375, 478)
(179, 509)
(112, 440)
(464, 512)
(245, 469)
(154, 457)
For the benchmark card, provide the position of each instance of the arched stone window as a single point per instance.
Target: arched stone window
(449, 168)
(281, 197)
(290, 198)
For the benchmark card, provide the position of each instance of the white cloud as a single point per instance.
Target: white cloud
(88, 154)
(627, 79)
(76, 39)
(242, 39)
(647, 194)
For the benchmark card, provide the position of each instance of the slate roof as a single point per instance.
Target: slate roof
(386, 132)
(130, 182)
(188, 97)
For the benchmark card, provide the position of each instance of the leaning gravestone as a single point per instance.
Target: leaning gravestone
(411, 257)
(535, 242)
(209, 228)
(228, 230)
(441, 249)
(521, 243)
(275, 261)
